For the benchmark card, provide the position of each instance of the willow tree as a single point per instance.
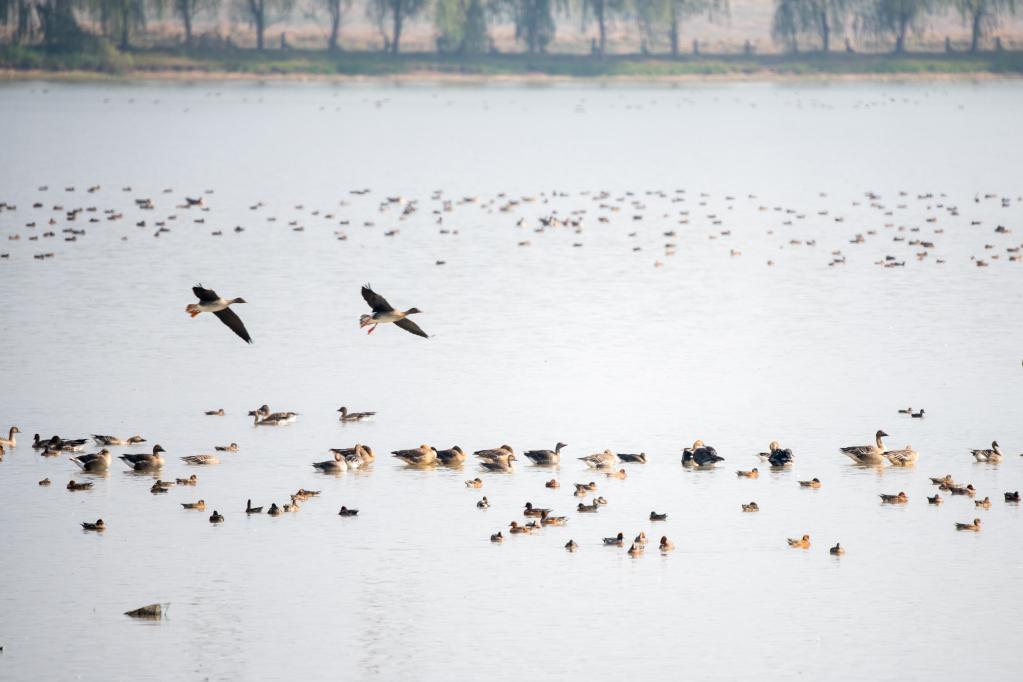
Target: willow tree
(813, 17)
(983, 15)
(18, 14)
(461, 26)
(896, 18)
(58, 23)
(263, 13)
(600, 11)
(534, 21)
(655, 16)
(187, 10)
(336, 10)
(787, 23)
(395, 12)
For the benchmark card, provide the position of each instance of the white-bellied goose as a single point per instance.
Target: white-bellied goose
(867, 454)
(902, 458)
(347, 416)
(546, 457)
(422, 456)
(500, 465)
(993, 455)
(501, 453)
(600, 460)
(700, 455)
(95, 462)
(10, 441)
(145, 461)
(114, 440)
(635, 458)
(210, 302)
(333, 466)
(453, 456)
(201, 459)
(384, 312)
(280, 417)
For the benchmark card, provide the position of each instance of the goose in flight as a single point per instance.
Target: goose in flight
(384, 312)
(210, 302)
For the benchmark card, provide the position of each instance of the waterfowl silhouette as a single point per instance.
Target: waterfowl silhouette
(500, 465)
(345, 511)
(867, 454)
(617, 540)
(114, 440)
(553, 483)
(620, 474)
(249, 509)
(347, 416)
(474, 483)
(837, 550)
(635, 550)
(983, 504)
(902, 458)
(545, 457)
(46, 482)
(812, 483)
(215, 413)
(654, 516)
(333, 466)
(546, 519)
(495, 454)
(216, 517)
(233, 447)
(497, 537)
(274, 510)
(590, 508)
(777, 456)
(201, 460)
(384, 312)
(191, 480)
(1012, 497)
(937, 499)
(210, 302)
(993, 456)
(917, 415)
(72, 485)
(483, 503)
(11, 441)
(530, 510)
(571, 545)
(752, 473)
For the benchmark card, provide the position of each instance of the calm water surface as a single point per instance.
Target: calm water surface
(591, 345)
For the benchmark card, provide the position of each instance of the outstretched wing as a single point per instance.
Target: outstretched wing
(377, 302)
(228, 317)
(204, 295)
(411, 327)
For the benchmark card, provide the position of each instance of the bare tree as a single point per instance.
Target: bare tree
(600, 11)
(983, 15)
(263, 13)
(336, 10)
(895, 17)
(396, 11)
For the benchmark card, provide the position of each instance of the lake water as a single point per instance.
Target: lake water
(593, 345)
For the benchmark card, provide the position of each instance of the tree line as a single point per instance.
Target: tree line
(463, 26)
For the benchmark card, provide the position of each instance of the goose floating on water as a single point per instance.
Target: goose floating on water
(777, 456)
(144, 461)
(634, 458)
(867, 454)
(546, 457)
(384, 312)
(95, 462)
(210, 302)
(333, 466)
(11, 441)
(600, 460)
(700, 455)
(992, 456)
(453, 456)
(424, 455)
(902, 458)
(347, 416)
(114, 440)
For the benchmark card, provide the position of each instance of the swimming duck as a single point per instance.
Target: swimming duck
(546, 457)
(867, 454)
(946, 480)
(975, 526)
(591, 508)
(355, 457)
(142, 462)
(752, 473)
(620, 474)
(571, 545)
(191, 480)
(45, 482)
(210, 302)
(50, 452)
(908, 410)
(633, 458)
(547, 520)
(813, 483)
(983, 504)
(666, 545)
(501, 453)
(95, 462)
(934, 500)
(474, 483)
(332, 466)
(71, 485)
(249, 509)
(345, 511)
(215, 413)
(917, 415)
(453, 456)
(600, 459)
(274, 510)
(502, 465)
(530, 510)
(617, 540)
(553, 483)
(160, 487)
(497, 537)
(483, 504)
(515, 528)
(98, 526)
(599, 500)
(1012, 497)
(114, 440)
(902, 458)
(233, 447)
(654, 516)
(584, 488)
(347, 416)
(635, 550)
(777, 456)
(10, 441)
(968, 489)
(201, 460)
(802, 543)
(384, 312)
(837, 550)
(700, 455)
(424, 455)
(901, 498)
(304, 494)
(993, 456)
(640, 539)
(751, 507)
(200, 505)
(216, 517)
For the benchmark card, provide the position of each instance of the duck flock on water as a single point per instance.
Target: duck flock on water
(498, 461)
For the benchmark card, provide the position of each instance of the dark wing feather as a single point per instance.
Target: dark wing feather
(377, 302)
(228, 317)
(204, 295)
(410, 326)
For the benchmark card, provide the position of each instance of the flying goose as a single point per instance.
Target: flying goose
(424, 455)
(993, 456)
(700, 455)
(867, 454)
(210, 302)
(97, 461)
(145, 461)
(600, 460)
(384, 312)
(546, 457)
(347, 416)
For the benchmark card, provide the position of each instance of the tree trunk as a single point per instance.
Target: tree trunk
(603, 28)
(673, 34)
(335, 26)
(900, 36)
(396, 7)
(21, 28)
(186, 17)
(825, 31)
(260, 30)
(975, 35)
(125, 24)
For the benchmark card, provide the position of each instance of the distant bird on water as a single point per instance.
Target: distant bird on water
(384, 312)
(210, 302)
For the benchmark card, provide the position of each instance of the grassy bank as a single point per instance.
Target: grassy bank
(104, 59)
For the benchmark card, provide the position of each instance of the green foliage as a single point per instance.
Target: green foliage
(461, 26)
